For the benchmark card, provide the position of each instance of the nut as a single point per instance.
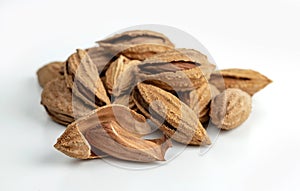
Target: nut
(230, 108)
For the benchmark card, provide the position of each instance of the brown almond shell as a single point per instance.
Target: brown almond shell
(172, 116)
(73, 142)
(50, 72)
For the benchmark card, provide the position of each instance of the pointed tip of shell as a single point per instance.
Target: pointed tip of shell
(201, 140)
(267, 80)
(73, 144)
(206, 141)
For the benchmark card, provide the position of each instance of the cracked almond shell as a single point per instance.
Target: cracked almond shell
(73, 142)
(176, 70)
(173, 117)
(199, 100)
(115, 70)
(116, 141)
(101, 58)
(82, 77)
(171, 70)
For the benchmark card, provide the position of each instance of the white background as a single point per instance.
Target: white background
(262, 154)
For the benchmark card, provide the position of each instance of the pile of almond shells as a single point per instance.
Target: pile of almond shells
(134, 83)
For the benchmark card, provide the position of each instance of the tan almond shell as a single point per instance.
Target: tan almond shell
(214, 90)
(185, 55)
(73, 142)
(136, 44)
(81, 70)
(57, 97)
(184, 80)
(125, 100)
(136, 52)
(188, 128)
(247, 80)
(59, 118)
(116, 141)
(49, 72)
(230, 108)
(144, 51)
(199, 100)
(125, 83)
(195, 56)
(137, 37)
(58, 102)
(115, 70)
(101, 58)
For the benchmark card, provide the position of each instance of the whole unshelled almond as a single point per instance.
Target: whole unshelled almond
(58, 102)
(187, 56)
(249, 81)
(134, 37)
(171, 115)
(50, 72)
(136, 44)
(144, 51)
(176, 70)
(230, 108)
